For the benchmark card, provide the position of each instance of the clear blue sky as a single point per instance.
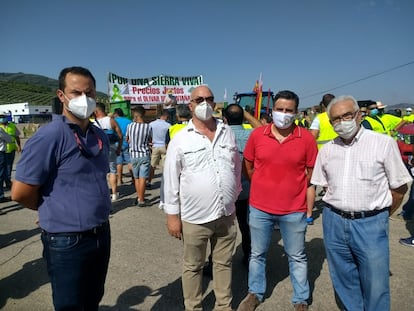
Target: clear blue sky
(308, 47)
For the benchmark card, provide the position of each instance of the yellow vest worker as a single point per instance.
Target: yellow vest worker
(376, 125)
(390, 122)
(174, 129)
(326, 131)
(409, 117)
(11, 129)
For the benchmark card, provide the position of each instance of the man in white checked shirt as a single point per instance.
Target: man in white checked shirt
(365, 181)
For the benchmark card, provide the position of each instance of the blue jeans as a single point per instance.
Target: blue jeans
(358, 259)
(77, 264)
(9, 166)
(293, 230)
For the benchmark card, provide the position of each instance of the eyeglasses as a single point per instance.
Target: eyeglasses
(345, 117)
(199, 100)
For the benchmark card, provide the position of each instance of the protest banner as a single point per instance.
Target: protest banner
(153, 90)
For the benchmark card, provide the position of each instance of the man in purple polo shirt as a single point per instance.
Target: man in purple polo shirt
(62, 175)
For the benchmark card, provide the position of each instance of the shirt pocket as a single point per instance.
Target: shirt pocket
(227, 154)
(195, 159)
(365, 171)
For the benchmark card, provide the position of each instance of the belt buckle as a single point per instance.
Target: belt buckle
(352, 215)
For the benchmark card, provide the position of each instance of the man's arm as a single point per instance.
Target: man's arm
(400, 125)
(17, 138)
(174, 225)
(117, 130)
(315, 127)
(18, 144)
(4, 136)
(26, 195)
(251, 119)
(315, 133)
(397, 197)
(247, 169)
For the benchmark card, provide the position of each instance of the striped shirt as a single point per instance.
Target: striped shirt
(138, 136)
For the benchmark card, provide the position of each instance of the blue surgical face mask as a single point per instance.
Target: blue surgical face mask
(3, 120)
(373, 112)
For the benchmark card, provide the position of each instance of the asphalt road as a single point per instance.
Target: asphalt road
(145, 265)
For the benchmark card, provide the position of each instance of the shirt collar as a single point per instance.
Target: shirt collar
(297, 131)
(191, 128)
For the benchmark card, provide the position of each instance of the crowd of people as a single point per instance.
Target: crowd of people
(216, 174)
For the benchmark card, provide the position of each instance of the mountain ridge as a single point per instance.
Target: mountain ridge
(32, 88)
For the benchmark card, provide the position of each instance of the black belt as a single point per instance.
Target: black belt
(95, 230)
(355, 215)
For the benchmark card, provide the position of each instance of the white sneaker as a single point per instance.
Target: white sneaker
(114, 197)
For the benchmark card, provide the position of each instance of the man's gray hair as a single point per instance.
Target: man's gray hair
(341, 99)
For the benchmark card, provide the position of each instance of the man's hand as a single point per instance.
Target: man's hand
(397, 197)
(174, 226)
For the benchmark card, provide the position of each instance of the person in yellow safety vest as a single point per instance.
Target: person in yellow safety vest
(302, 119)
(392, 123)
(11, 129)
(363, 109)
(373, 122)
(409, 117)
(321, 128)
(183, 115)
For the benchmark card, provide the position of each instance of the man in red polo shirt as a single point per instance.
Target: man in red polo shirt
(278, 159)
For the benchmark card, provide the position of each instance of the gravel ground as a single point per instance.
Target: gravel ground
(145, 264)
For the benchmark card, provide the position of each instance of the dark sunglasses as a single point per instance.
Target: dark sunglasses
(199, 100)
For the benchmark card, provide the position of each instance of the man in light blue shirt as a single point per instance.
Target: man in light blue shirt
(159, 129)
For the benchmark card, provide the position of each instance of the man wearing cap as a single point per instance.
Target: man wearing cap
(392, 123)
(373, 122)
(409, 117)
(11, 148)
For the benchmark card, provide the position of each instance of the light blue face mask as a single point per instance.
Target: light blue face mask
(3, 120)
(373, 112)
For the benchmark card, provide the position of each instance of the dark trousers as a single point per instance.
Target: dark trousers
(242, 207)
(77, 264)
(408, 207)
(9, 166)
(3, 168)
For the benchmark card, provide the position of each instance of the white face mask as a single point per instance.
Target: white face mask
(282, 120)
(82, 106)
(346, 129)
(203, 111)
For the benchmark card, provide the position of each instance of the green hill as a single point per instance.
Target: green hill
(34, 89)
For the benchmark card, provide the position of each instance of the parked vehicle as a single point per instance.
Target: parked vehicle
(248, 101)
(405, 141)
